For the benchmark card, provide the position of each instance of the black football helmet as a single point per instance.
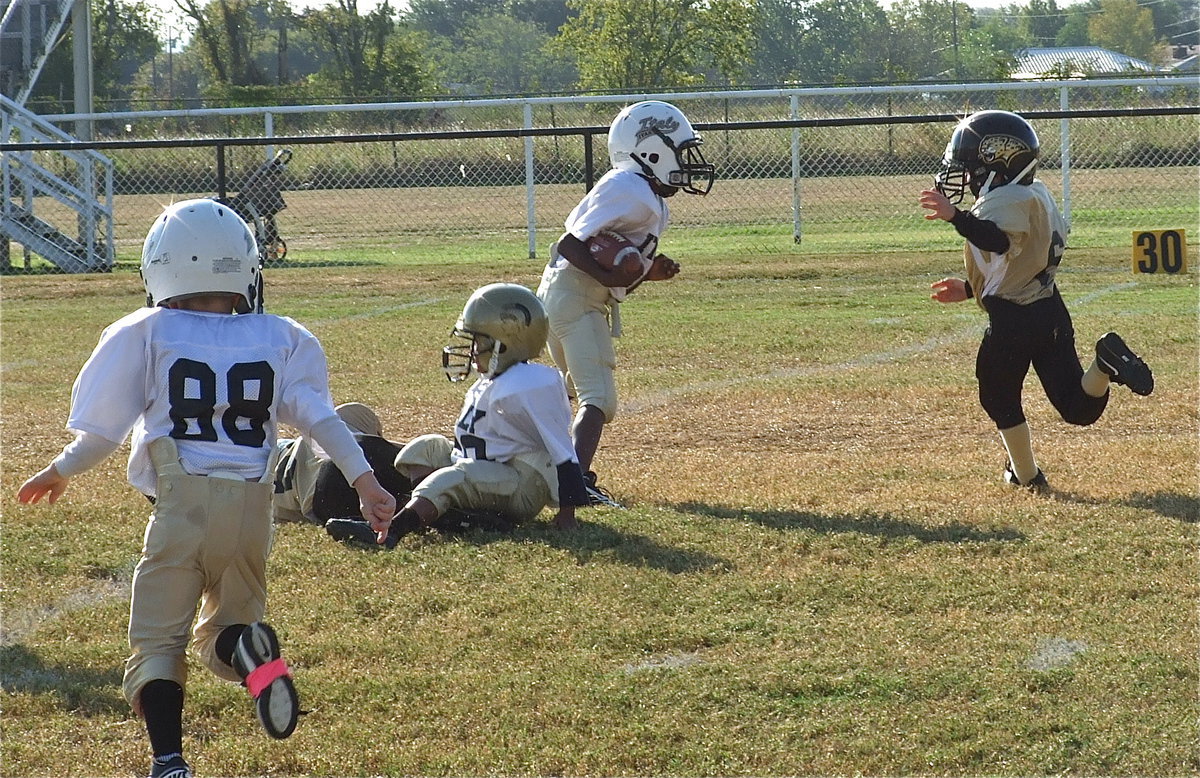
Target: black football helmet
(988, 149)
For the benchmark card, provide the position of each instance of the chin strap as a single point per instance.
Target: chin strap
(987, 185)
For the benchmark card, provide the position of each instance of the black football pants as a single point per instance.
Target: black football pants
(1038, 334)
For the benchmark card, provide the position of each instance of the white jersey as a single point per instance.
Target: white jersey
(220, 385)
(623, 202)
(522, 411)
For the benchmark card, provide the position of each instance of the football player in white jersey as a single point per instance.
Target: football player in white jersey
(203, 392)
(1015, 240)
(512, 453)
(654, 153)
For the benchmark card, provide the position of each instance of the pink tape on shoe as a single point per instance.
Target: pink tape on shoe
(263, 676)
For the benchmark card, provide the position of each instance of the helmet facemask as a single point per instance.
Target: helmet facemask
(691, 171)
(460, 360)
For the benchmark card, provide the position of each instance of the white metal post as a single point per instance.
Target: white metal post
(1064, 133)
(531, 220)
(795, 114)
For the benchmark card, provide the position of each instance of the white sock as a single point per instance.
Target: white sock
(1095, 381)
(1018, 441)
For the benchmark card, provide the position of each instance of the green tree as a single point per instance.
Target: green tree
(844, 42)
(1041, 20)
(651, 44)
(926, 39)
(225, 31)
(449, 18)
(777, 56)
(1122, 26)
(987, 52)
(1074, 31)
(366, 56)
(123, 40)
(501, 54)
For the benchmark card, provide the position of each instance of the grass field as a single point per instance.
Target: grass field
(819, 571)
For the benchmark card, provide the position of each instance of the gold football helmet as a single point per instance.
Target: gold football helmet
(505, 321)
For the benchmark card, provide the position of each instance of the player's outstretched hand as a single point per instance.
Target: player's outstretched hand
(949, 290)
(377, 504)
(939, 207)
(47, 483)
(662, 268)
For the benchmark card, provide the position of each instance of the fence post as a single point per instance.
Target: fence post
(1064, 132)
(269, 132)
(795, 114)
(221, 189)
(589, 165)
(529, 182)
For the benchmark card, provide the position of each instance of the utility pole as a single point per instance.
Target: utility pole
(954, 27)
(81, 36)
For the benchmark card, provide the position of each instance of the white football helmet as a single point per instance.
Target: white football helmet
(655, 139)
(198, 247)
(505, 320)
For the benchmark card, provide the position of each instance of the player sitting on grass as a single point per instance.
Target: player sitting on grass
(512, 454)
(1015, 240)
(203, 391)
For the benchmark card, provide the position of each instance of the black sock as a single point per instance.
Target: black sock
(227, 643)
(162, 705)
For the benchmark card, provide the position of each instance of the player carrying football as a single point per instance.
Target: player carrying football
(654, 154)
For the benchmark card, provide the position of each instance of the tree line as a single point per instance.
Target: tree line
(267, 52)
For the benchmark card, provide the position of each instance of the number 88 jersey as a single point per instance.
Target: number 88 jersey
(218, 384)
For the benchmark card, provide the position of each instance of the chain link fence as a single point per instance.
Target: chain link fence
(363, 182)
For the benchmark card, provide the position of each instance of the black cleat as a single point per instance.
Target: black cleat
(1122, 366)
(460, 520)
(256, 658)
(174, 767)
(596, 495)
(1038, 484)
(355, 530)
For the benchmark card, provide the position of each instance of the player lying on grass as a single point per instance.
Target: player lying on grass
(1015, 241)
(203, 392)
(310, 488)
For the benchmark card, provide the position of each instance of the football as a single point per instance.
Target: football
(610, 250)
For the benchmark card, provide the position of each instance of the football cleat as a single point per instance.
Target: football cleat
(353, 529)
(461, 520)
(256, 658)
(174, 767)
(1038, 484)
(1122, 366)
(596, 495)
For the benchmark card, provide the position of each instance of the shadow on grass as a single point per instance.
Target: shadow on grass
(80, 690)
(593, 541)
(866, 524)
(590, 542)
(1171, 505)
(1185, 507)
